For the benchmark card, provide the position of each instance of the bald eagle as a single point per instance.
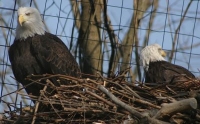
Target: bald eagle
(157, 70)
(38, 52)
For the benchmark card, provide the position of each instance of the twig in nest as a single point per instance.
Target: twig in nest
(175, 107)
(170, 90)
(92, 81)
(147, 103)
(100, 98)
(136, 99)
(133, 92)
(121, 75)
(118, 102)
(37, 104)
(49, 82)
(129, 108)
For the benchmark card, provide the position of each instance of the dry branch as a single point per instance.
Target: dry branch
(89, 100)
(178, 106)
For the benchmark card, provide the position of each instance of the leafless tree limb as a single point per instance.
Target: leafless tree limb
(177, 30)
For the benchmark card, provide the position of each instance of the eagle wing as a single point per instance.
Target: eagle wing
(177, 72)
(53, 55)
(162, 72)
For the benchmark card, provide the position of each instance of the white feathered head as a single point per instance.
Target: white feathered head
(29, 23)
(151, 53)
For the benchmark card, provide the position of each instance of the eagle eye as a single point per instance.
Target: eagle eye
(159, 49)
(28, 13)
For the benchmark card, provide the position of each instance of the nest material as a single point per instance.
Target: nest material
(113, 101)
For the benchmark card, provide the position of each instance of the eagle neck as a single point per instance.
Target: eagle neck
(23, 32)
(146, 65)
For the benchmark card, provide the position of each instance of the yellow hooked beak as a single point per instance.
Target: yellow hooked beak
(163, 53)
(21, 19)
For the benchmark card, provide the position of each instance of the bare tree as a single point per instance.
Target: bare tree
(130, 40)
(89, 37)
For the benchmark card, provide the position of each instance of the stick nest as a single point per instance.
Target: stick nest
(110, 100)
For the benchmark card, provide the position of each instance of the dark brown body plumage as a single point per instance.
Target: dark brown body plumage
(41, 54)
(165, 72)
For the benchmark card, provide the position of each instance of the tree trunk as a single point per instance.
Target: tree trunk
(130, 40)
(89, 37)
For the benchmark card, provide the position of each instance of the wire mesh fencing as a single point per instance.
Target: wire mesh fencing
(114, 31)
